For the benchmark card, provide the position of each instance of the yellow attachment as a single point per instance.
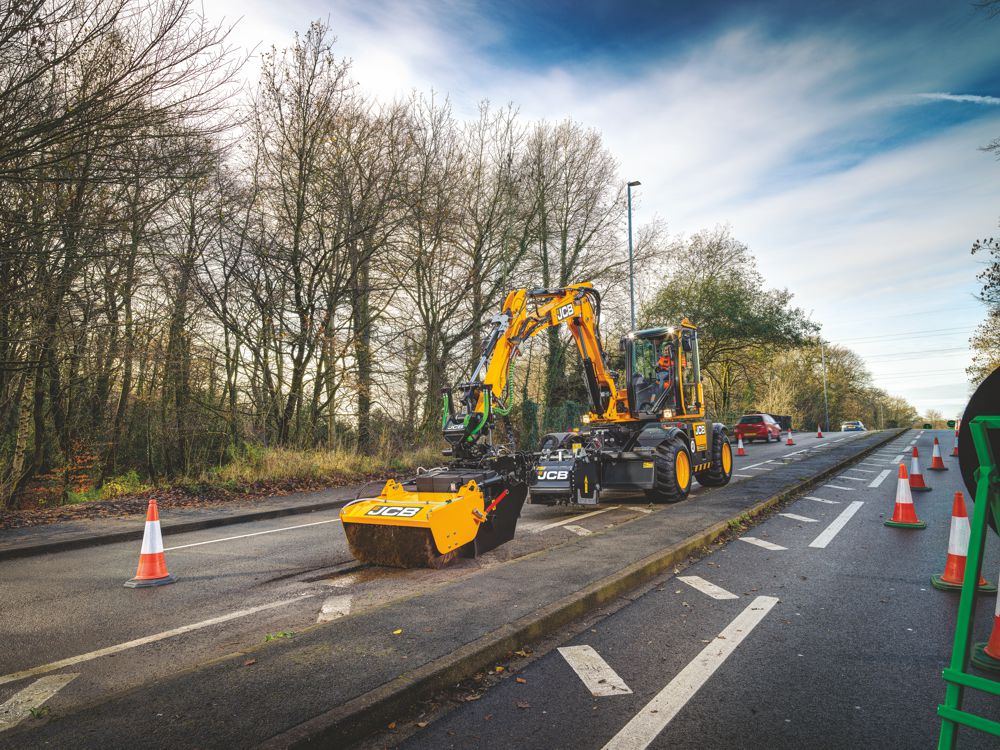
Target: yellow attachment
(451, 517)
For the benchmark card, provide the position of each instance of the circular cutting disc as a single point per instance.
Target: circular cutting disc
(984, 402)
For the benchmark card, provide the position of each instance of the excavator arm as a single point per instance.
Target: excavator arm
(469, 408)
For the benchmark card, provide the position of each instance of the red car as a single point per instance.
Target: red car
(758, 427)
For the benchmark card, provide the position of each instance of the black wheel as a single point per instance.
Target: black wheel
(672, 476)
(721, 470)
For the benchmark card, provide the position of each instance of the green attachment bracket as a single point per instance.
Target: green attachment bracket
(957, 677)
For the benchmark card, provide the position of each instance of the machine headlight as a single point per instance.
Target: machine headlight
(585, 419)
(668, 413)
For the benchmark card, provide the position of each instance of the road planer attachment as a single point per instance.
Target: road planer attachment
(429, 521)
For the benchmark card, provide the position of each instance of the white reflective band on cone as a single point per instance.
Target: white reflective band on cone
(914, 466)
(152, 542)
(958, 537)
(903, 492)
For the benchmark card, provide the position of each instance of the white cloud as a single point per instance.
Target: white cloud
(969, 98)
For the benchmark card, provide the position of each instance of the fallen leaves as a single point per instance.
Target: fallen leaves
(521, 680)
(523, 704)
(397, 631)
(249, 662)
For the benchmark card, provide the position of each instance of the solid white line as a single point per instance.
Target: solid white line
(335, 607)
(256, 533)
(761, 543)
(838, 487)
(897, 459)
(834, 528)
(794, 453)
(880, 478)
(597, 676)
(794, 517)
(644, 727)
(571, 519)
(578, 530)
(707, 587)
(852, 479)
(753, 466)
(745, 476)
(53, 666)
(821, 500)
(20, 705)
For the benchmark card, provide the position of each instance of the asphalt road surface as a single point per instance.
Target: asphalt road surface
(829, 635)
(68, 614)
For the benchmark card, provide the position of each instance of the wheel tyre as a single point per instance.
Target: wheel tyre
(721, 470)
(672, 474)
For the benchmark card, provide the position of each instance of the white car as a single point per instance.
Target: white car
(854, 426)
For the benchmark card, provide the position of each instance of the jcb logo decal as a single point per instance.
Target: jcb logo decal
(553, 474)
(399, 511)
(699, 429)
(564, 312)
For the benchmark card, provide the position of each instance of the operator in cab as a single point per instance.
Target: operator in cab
(665, 367)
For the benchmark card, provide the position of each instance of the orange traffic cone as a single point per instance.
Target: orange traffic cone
(937, 464)
(819, 432)
(152, 562)
(987, 655)
(904, 516)
(789, 441)
(958, 551)
(916, 478)
(954, 446)
(739, 446)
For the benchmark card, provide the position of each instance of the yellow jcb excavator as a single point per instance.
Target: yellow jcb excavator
(646, 437)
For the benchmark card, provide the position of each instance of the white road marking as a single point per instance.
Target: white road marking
(913, 442)
(645, 726)
(745, 476)
(880, 478)
(571, 519)
(707, 587)
(578, 530)
(642, 510)
(897, 459)
(21, 704)
(597, 676)
(761, 543)
(864, 471)
(795, 453)
(753, 466)
(763, 468)
(795, 517)
(53, 666)
(852, 479)
(334, 608)
(821, 500)
(838, 487)
(834, 528)
(256, 533)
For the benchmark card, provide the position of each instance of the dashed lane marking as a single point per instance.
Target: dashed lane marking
(761, 543)
(838, 487)
(880, 478)
(645, 726)
(256, 533)
(897, 459)
(707, 587)
(744, 476)
(834, 528)
(795, 517)
(334, 608)
(851, 479)
(21, 705)
(821, 500)
(865, 471)
(595, 673)
(578, 530)
(53, 666)
(754, 466)
(572, 519)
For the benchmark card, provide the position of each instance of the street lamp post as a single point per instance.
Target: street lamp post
(631, 270)
(826, 403)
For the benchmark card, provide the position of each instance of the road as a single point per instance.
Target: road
(843, 642)
(68, 613)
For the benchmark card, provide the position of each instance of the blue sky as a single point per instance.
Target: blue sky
(840, 140)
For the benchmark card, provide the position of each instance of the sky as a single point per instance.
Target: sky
(842, 141)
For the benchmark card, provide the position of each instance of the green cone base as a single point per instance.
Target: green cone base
(983, 660)
(920, 489)
(137, 584)
(898, 525)
(939, 583)
(931, 468)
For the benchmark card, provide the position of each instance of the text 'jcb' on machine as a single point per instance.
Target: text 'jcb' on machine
(649, 437)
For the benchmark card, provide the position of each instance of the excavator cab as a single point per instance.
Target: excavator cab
(662, 372)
